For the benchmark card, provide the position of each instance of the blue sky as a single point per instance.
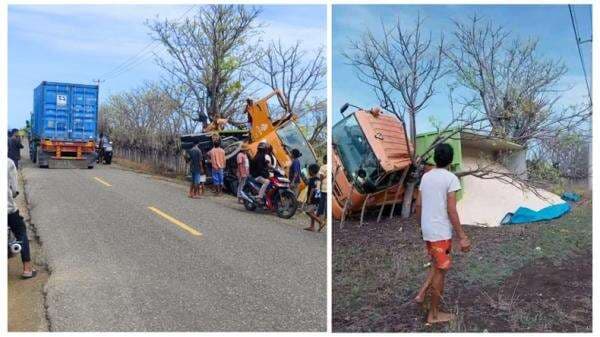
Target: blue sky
(551, 24)
(79, 43)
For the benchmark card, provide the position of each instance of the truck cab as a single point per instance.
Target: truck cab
(371, 152)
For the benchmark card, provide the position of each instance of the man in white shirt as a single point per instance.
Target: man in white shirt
(436, 211)
(15, 221)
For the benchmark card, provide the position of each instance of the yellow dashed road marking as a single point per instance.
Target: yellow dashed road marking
(102, 182)
(175, 221)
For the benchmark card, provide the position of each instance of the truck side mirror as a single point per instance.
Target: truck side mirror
(344, 108)
(361, 173)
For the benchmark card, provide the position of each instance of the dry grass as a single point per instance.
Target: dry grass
(508, 282)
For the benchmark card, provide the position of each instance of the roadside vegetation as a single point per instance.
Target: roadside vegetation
(211, 62)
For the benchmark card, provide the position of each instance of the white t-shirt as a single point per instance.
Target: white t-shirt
(435, 186)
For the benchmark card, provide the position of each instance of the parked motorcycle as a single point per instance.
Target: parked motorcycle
(278, 197)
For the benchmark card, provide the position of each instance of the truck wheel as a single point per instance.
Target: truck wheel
(38, 154)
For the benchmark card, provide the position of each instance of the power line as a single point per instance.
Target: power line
(579, 42)
(138, 58)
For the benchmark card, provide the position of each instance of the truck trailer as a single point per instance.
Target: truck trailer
(64, 125)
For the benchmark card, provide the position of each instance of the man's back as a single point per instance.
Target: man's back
(14, 148)
(195, 159)
(434, 188)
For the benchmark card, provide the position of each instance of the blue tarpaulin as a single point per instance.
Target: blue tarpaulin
(526, 215)
(570, 196)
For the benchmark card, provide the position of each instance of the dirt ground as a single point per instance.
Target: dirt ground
(533, 277)
(26, 310)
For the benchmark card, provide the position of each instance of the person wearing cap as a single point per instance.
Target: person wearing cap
(243, 169)
(295, 170)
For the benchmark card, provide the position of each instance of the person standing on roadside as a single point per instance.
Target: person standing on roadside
(14, 147)
(194, 157)
(437, 215)
(313, 196)
(322, 208)
(295, 171)
(217, 160)
(243, 169)
(15, 221)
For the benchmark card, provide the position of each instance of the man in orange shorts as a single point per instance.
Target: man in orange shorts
(436, 211)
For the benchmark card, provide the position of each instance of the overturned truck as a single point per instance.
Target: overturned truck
(283, 134)
(371, 159)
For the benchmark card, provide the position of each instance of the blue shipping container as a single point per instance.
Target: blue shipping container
(64, 111)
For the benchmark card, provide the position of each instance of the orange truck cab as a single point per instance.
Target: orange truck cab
(371, 153)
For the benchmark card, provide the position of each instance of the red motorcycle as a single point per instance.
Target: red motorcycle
(278, 197)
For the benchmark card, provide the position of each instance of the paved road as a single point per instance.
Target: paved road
(117, 265)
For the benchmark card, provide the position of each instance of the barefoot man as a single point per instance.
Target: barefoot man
(436, 211)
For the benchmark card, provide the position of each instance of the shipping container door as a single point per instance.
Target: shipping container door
(83, 112)
(56, 111)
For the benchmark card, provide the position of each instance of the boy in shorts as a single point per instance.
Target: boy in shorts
(217, 160)
(436, 212)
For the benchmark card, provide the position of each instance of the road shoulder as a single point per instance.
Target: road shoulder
(26, 298)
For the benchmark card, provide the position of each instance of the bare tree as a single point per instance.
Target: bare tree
(567, 154)
(184, 113)
(292, 71)
(517, 89)
(301, 78)
(142, 119)
(402, 67)
(209, 54)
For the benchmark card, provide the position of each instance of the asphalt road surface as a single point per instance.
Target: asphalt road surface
(130, 252)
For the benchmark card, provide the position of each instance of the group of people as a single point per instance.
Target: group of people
(261, 168)
(15, 221)
(195, 158)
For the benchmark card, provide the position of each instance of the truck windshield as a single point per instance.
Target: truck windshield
(292, 138)
(354, 150)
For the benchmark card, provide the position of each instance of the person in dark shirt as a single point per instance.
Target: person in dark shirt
(261, 170)
(295, 169)
(313, 196)
(14, 147)
(194, 157)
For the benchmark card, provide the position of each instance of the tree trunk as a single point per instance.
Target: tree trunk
(407, 202)
(413, 131)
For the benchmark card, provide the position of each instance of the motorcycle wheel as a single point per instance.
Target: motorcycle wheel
(247, 204)
(286, 204)
(107, 160)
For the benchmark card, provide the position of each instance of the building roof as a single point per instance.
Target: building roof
(476, 139)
